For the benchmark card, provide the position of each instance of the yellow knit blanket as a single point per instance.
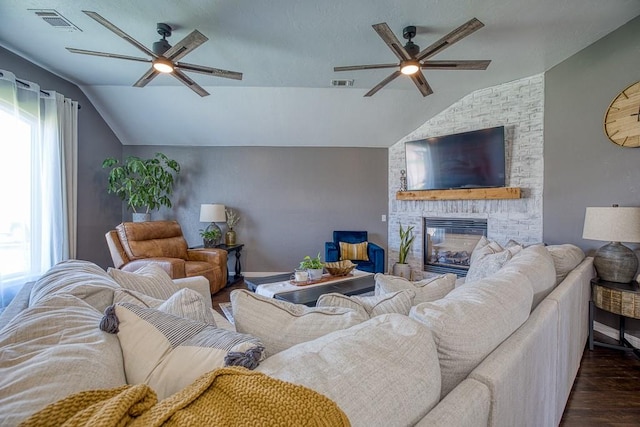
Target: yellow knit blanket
(230, 396)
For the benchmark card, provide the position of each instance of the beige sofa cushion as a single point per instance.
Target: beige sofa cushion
(472, 320)
(281, 324)
(383, 372)
(396, 302)
(82, 279)
(565, 258)
(488, 257)
(168, 353)
(150, 280)
(536, 264)
(51, 350)
(430, 289)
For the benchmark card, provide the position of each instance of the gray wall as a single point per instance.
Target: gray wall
(582, 167)
(97, 211)
(290, 199)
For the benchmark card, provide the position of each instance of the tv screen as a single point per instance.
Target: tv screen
(464, 160)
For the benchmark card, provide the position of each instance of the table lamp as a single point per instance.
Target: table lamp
(213, 213)
(614, 262)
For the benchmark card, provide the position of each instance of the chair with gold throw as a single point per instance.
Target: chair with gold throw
(355, 246)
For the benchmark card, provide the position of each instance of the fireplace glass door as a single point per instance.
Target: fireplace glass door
(449, 243)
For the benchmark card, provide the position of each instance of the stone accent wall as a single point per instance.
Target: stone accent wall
(519, 107)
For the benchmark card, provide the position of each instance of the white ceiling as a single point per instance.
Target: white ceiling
(286, 50)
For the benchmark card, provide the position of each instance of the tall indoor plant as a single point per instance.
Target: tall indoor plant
(401, 268)
(144, 184)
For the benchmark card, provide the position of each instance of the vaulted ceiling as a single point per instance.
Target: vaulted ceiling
(286, 50)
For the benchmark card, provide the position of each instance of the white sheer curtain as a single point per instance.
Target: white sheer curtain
(38, 148)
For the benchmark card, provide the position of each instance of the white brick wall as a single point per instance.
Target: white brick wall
(518, 106)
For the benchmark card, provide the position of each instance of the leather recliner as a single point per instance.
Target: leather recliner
(135, 244)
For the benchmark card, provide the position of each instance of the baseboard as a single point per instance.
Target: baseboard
(613, 333)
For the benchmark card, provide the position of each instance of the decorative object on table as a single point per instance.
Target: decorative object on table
(300, 275)
(403, 180)
(614, 262)
(212, 213)
(142, 183)
(622, 119)
(355, 247)
(232, 220)
(314, 266)
(340, 268)
(401, 268)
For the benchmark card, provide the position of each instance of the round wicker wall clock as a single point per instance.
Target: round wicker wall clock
(622, 119)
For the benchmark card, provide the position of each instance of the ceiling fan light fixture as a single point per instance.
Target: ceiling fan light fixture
(163, 65)
(409, 67)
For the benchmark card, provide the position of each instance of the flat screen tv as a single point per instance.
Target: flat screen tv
(464, 160)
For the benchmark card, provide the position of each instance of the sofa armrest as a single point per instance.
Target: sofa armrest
(173, 266)
(376, 256)
(196, 283)
(467, 405)
(331, 253)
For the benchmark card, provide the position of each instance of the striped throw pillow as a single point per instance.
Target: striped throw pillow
(150, 279)
(375, 305)
(353, 251)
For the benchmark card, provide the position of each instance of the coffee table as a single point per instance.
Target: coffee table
(308, 295)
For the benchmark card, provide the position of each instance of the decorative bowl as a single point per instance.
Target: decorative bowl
(339, 268)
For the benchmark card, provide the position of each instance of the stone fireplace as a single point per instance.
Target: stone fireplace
(448, 243)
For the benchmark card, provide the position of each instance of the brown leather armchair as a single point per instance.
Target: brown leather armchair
(134, 244)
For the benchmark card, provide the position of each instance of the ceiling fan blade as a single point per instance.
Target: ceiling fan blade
(364, 67)
(119, 32)
(456, 65)
(186, 45)
(210, 71)
(189, 83)
(451, 38)
(421, 83)
(391, 40)
(146, 77)
(383, 83)
(107, 55)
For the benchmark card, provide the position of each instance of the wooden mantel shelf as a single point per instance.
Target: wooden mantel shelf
(461, 194)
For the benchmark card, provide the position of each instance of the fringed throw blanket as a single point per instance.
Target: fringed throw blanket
(224, 397)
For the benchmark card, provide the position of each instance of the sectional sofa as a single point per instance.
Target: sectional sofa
(503, 350)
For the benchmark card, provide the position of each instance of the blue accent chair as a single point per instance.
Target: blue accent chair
(374, 252)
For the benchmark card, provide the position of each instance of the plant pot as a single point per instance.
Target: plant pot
(402, 270)
(230, 237)
(141, 217)
(315, 273)
(211, 243)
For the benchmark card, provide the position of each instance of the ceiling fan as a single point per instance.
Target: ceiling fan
(412, 59)
(164, 57)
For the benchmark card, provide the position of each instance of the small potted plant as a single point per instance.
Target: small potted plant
(142, 183)
(314, 266)
(401, 268)
(211, 237)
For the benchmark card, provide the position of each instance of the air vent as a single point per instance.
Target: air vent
(341, 83)
(53, 18)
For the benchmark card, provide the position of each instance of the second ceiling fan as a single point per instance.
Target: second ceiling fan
(412, 59)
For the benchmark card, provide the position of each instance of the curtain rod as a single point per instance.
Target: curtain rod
(41, 91)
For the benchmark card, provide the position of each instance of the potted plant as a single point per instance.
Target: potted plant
(144, 184)
(401, 268)
(314, 266)
(210, 237)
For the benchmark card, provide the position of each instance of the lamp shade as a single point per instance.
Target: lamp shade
(212, 213)
(612, 224)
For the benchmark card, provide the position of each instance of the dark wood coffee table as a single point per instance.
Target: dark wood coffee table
(308, 295)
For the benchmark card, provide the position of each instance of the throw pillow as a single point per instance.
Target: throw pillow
(185, 303)
(395, 302)
(150, 279)
(168, 353)
(281, 324)
(565, 258)
(484, 247)
(354, 251)
(489, 259)
(430, 289)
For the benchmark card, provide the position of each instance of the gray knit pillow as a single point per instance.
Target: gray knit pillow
(375, 305)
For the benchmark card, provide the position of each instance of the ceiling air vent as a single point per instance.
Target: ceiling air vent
(341, 83)
(53, 18)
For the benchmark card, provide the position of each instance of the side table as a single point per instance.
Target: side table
(622, 299)
(237, 277)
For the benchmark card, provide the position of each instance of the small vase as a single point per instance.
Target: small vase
(315, 273)
(141, 217)
(402, 270)
(230, 237)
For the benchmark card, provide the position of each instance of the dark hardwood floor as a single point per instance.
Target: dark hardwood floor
(605, 393)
